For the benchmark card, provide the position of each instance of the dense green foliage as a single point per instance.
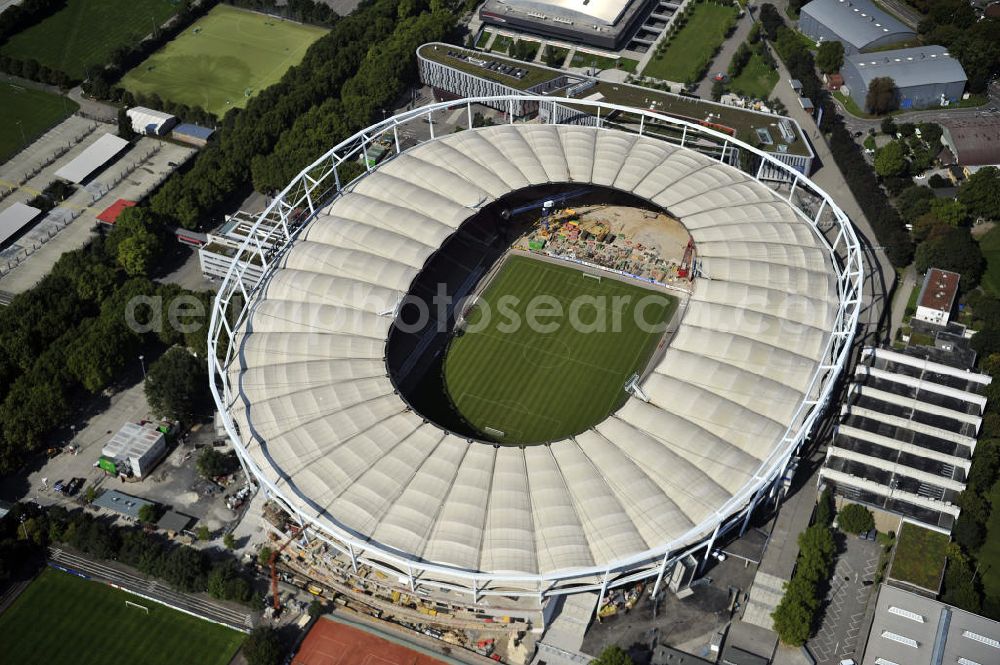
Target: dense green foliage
(613, 655)
(953, 249)
(882, 96)
(830, 56)
(263, 647)
(795, 616)
(555, 379)
(94, 626)
(854, 519)
(975, 42)
(177, 386)
(346, 77)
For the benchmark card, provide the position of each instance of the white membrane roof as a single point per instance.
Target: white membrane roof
(331, 434)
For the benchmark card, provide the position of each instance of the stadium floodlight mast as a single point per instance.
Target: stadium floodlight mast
(320, 183)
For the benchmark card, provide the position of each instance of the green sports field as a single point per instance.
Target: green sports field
(535, 384)
(86, 32)
(33, 111)
(223, 59)
(63, 619)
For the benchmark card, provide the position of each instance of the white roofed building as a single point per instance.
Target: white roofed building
(858, 24)
(136, 448)
(604, 23)
(150, 122)
(94, 158)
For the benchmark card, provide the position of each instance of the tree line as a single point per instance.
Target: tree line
(29, 529)
(889, 228)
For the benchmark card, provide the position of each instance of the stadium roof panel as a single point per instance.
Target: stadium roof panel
(332, 432)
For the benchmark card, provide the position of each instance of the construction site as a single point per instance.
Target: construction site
(635, 242)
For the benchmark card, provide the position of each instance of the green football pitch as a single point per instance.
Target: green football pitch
(26, 114)
(517, 382)
(87, 32)
(61, 618)
(223, 59)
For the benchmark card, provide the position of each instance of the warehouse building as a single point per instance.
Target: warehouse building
(973, 142)
(134, 450)
(906, 436)
(603, 23)
(858, 24)
(195, 135)
(912, 629)
(150, 122)
(925, 76)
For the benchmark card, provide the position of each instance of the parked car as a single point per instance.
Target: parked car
(59, 486)
(74, 486)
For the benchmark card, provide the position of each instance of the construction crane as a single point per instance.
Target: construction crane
(273, 563)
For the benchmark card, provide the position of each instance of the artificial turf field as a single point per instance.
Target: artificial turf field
(86, 32)
(61, 618)
(35, 110)
(536, 386)
(223, 59)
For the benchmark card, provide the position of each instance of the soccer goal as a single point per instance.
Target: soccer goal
(588, 275)
(129, 603)
(495, 432)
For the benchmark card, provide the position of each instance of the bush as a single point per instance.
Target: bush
(855, 518)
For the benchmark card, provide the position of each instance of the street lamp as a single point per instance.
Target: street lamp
(143, 365)
(24, 141)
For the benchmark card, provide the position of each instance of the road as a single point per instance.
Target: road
(115, 574)
(725, 55)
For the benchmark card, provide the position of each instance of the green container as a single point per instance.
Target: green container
(108, 465)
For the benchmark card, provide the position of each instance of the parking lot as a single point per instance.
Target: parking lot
(850, 590)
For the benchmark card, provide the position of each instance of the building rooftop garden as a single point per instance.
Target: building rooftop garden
(920, 557)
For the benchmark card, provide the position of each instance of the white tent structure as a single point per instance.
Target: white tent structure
(149, 121)
(319, 421)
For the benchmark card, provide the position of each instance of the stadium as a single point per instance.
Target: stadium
(329, 380)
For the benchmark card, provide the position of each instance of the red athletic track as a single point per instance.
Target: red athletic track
(333, 643)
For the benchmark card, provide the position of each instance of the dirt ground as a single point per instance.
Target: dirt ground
(657, 231)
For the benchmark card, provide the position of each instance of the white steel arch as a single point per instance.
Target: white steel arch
(319, 184)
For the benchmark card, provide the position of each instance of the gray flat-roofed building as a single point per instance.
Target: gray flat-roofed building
(174, 521)
(975, 142)
(604, 23)
(137, 447)
(909, 629)
(906, 436)
(121, 503)
(15, 218)
(926, 75)
(88, 162)
(858, 24)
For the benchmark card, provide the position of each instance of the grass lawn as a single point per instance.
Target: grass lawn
(757, 80)
(502, 44)
(920, 556)
(537, 385)
(584, 59)
(223, 59)
(990, 246)
(64, 619)
(32, 110)
(691, 48)
(483, 38)
(558, 56)
(85, 32)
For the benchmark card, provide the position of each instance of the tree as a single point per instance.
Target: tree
(204, 533)
(830, 57)
(136, 253)
(147, 513)
(855, 518)
(212, 463)
(888, 126)
(229, 541)
(891, 160)
(263, 647)
(949, 211)
(882, 97)
(771, 20)
(718, 89)
(954, 250)
(824, 508)
(914, 201)
(177, 385)
(125, 130)
(553, 57)
(981, 193)
(264, 556)
(613, 655)
(792, 620)
(315, 609)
